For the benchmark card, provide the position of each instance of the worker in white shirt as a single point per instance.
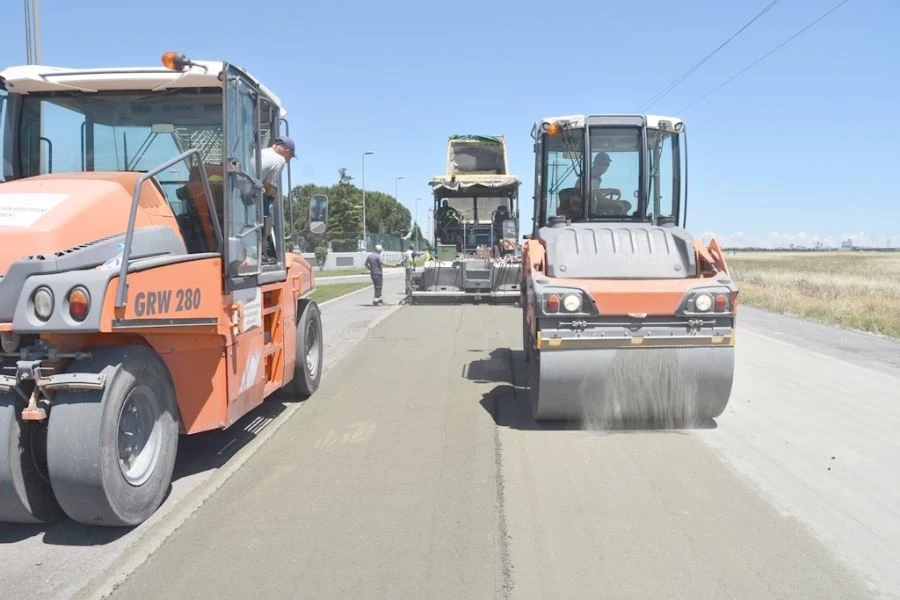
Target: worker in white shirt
(272, 161)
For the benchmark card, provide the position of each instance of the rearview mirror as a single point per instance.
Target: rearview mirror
(318, 213)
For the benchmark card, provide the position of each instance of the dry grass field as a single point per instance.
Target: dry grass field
(858, 290)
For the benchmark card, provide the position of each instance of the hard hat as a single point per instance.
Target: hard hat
(378, 248)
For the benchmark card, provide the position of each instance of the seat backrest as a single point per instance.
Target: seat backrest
(215, 175)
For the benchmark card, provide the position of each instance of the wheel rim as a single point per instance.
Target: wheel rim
(312, 349)
(139, 435)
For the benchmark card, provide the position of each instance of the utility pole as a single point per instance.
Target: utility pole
(416, 224)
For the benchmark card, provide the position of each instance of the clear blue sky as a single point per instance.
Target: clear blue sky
(803, 146)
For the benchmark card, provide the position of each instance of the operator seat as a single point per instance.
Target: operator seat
(570, 205)
(192, 192)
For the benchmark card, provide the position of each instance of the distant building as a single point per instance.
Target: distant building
(847, 245)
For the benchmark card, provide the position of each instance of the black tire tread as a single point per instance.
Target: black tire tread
(83, 472)
(303, 385)
(25, 496)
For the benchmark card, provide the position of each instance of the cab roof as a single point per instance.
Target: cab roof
(27, 79)
(652, 121)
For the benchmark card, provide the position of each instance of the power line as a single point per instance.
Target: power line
(763, 57)
(685, 75)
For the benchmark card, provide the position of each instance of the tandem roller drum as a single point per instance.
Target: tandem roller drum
(624, 386)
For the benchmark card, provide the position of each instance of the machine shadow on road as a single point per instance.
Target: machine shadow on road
(65, 532)
(196, 454)
(509, 403)
(213, 449)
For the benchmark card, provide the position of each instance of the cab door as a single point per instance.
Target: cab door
(243, 252)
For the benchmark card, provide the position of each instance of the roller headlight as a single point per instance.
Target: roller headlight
(562, 301)
(43, 303)
(703, 302)
(572, 302)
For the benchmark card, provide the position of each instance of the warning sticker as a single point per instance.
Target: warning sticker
(253, 311)
(23, 210)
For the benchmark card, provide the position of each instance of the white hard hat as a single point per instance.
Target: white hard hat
(378, 248)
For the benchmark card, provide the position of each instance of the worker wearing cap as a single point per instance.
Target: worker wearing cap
(600, 204)
(374, 263)
(598, 169)
(272, 161)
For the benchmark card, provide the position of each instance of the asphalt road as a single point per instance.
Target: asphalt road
(54, 562)
(416, 472)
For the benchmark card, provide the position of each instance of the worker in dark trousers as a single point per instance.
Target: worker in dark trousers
(375, 263)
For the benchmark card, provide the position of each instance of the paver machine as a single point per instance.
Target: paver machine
(475, 224)
(627, 318)
(138, 302)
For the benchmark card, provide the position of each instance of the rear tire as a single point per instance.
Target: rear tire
(111, 453)
(309, 354)
(25, 492)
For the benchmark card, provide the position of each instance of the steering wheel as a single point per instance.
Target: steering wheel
(608, 194)
(608, 201)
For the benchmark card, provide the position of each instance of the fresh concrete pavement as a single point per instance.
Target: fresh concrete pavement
(416, 472)
(55, 562)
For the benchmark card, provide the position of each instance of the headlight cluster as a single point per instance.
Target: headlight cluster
(77, 302)
(566, 301)
(709, 301)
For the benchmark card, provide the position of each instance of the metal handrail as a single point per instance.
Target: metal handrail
(122, 292)
(290, 219)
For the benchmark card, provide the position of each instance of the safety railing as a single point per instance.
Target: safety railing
(122, 292)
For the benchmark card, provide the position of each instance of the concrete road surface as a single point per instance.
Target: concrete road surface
(54, 562)
(416, 472)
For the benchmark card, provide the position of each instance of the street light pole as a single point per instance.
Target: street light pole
(416, 223)
(32, 32)
(396, 193)
(35, 14)
(364, 194)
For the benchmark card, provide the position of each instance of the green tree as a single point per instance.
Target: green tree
(383, 215)
(321, 255)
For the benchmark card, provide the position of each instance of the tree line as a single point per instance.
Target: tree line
(384, 215)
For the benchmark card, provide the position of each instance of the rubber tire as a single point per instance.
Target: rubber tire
(25, 492)
(304, 384)
(82, 444)
(526, 339)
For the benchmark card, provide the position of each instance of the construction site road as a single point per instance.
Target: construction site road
(42, 563)
(417, 472)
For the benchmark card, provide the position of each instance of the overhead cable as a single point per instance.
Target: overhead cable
(687, 73)
(764, 56)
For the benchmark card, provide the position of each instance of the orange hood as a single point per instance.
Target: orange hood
(50, 213)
